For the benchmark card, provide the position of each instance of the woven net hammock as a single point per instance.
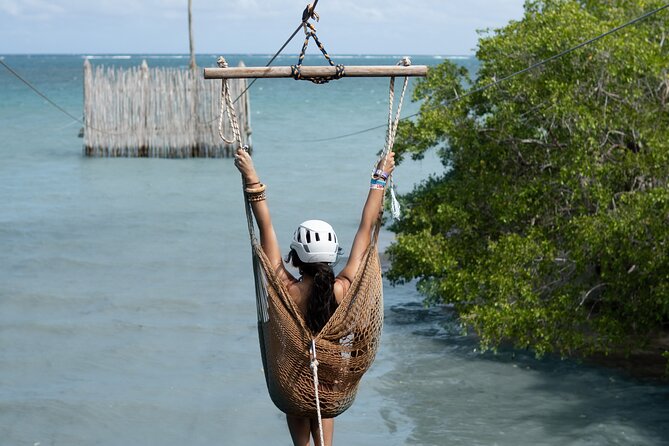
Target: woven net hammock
(345, 347)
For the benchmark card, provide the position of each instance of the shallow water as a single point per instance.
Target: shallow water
(126, 300)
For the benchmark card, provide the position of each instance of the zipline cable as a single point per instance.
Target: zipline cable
(512, 75)
(53, 103)
(33, 88)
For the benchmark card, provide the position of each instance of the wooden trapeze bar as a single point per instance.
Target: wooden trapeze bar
(308, 72)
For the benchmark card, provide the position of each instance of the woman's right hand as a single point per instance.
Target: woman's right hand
(387, 165)
(244, 164)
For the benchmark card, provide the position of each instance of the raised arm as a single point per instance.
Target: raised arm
(370, 213)
(255, 192)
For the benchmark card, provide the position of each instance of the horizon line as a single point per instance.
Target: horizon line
(126, 53)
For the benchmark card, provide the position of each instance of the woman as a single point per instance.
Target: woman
(314, 249)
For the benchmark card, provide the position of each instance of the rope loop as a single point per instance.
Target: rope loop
(222, 63)
(228, 106)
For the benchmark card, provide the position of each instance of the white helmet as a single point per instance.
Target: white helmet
(315, 241)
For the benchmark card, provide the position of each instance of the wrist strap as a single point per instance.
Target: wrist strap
(379, 173)
(256, 190)
(375, 183)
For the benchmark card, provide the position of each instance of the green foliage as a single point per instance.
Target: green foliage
(550, 224)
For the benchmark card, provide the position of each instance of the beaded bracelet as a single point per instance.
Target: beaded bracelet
(255, 194)
(256, 198)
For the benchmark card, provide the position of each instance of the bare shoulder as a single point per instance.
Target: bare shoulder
(341, 286)
(299, 295)
(284, 275)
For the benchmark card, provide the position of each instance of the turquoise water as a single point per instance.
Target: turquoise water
(127, 313)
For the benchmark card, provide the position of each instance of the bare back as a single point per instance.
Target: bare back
(300, 290)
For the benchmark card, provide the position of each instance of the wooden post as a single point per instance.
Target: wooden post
(193, 65)
(143, 131)
(315, 71)
(88, 150)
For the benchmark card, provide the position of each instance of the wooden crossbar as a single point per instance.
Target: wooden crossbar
(309, 72)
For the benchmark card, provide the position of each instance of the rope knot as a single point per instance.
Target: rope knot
(222, 63)
(295, 72)
(309, 13)
(405, 61)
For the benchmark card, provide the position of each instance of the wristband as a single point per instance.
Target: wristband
(377, 184)
(255, 194)
(378, 173)
(255, 190)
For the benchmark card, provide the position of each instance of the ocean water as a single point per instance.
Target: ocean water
(127, 312)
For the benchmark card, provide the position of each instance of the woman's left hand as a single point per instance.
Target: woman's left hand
(244, 164)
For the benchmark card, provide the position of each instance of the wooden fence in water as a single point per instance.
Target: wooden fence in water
(157, 112)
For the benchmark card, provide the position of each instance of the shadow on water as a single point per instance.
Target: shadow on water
(457, 395)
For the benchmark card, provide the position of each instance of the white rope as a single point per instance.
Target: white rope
(314, 369)
(228, 105)
(392, 132)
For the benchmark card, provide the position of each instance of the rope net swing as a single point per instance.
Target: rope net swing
(309, 374)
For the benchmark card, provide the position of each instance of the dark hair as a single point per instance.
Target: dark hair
(322, 302)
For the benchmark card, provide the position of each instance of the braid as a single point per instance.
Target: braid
(322, 302)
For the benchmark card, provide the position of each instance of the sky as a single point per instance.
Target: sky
(412, 27)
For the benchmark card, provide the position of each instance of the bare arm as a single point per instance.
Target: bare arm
(370, 213)
(268, 240)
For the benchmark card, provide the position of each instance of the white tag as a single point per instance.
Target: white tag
(394, 204)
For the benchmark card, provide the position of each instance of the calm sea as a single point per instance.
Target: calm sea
(127, 313)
